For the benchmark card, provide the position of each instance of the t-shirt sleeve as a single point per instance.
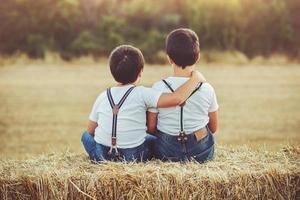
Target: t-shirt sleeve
(150, 97)
(94, 115)
(214, 104)
(153, 110)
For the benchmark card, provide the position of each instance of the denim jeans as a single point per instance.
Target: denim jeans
(168, 148)
(98, 152)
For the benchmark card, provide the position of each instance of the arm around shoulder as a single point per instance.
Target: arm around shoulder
(182, 93)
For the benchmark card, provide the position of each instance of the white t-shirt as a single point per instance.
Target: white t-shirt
(131, 124)
(195, 111)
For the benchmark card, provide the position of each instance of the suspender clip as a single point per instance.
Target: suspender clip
(114, 155)
(113, 148)
(182, 137)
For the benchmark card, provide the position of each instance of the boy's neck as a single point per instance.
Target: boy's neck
(122, 85)
(186, 72)
(134, 83)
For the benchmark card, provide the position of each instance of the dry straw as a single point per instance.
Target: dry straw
(239, 173)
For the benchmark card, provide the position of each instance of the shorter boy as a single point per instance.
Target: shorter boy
(185, 131)
(117, 126)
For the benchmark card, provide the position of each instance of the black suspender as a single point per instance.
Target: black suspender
(168, 85)
(115, 110)
(170, 88)
(182, 136)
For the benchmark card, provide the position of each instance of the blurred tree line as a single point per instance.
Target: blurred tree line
(79, 27)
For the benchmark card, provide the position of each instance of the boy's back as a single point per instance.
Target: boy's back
(196, 108)
(131, 127)
(184, 132)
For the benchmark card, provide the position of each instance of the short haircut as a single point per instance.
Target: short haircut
(126, 63)
(182, 46)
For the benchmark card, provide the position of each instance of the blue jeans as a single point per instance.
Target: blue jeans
(98, 152)
(168, 148)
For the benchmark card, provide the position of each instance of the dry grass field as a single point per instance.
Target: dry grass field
(44, 109)
(239, 173)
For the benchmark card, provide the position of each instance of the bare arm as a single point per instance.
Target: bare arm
(182, 93)
(151, 122)
(91, 127)
(213, 121)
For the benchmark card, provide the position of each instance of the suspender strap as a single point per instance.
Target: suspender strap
(110, 99)
(182, 105)
(168, 85)
(172, 90)
(197, 88)
(181, 119)
(115, 109)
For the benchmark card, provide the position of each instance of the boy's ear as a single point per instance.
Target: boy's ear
(139, 77)
(170, 60)
(141, 72)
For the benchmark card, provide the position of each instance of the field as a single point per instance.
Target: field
(44, 109)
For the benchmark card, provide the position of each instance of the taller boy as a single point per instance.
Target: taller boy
(184, 132)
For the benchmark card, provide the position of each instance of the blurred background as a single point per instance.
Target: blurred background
(73, 28)
(53, 64)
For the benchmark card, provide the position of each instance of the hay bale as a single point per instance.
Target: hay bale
(239, 173)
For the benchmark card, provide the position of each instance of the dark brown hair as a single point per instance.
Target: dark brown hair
(182, 46)
(126, 62)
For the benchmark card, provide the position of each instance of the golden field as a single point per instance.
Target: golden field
(45, 108)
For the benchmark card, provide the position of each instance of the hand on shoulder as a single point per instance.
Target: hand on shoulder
(198, 75)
